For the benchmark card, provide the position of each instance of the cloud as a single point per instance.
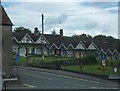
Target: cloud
(74, 18)
(53, 22)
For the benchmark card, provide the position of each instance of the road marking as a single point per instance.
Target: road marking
(74, 84)
(79, 79)
(72, 77)
(28, 85)
(69, 77)
(94, 87)
(38, 76)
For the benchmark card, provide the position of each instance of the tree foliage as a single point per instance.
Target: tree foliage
(82, 36)
(53, 32)
(22, 29)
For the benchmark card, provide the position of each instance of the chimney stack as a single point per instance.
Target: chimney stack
(36, 28)
(36, 31)
(61, 32)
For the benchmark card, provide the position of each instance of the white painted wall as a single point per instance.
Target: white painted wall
(69, 53)
(22, 51)
(38, 51)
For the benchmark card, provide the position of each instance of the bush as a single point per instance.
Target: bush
(91, 59)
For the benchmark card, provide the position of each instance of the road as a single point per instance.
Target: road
(44, 80)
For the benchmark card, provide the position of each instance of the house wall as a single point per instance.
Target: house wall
(7, 50)
(70, 53)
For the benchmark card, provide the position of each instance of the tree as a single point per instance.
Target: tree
(53, 32)
(83, 36)
(22, 29)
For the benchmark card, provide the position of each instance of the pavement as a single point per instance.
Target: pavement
(72, 74)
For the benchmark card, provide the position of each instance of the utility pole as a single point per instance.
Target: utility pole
(27, 52)
(42, 38)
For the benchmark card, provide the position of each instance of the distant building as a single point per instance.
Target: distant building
(6, 42)
(60, 45)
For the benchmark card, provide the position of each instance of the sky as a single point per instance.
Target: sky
(93, 18)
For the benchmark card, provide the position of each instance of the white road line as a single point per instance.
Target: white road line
(69, 83)
(38, 76)
(28, 85)
(78, 79)
(72, 77)
(94, 87)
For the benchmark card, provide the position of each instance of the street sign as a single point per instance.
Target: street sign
(17, 58)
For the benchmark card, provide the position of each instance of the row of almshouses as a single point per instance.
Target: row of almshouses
(58, 45)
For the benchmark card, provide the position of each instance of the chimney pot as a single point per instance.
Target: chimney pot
(36, 28)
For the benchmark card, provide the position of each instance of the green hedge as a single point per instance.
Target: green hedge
(88, 60)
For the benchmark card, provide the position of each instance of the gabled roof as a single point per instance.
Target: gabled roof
(92, 46)
(62, 46)
(101, 51)
(56, 39)
(66, 42)
(70, 46)
(80, 46)
(115, 52)
(108, 52)
(34, 36)
(5, 19)
(39, 40)
(103, 44)
(19, 35)
(54, 46)
(27, 38)
(15, 40)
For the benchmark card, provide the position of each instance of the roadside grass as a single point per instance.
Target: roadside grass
(93, 69)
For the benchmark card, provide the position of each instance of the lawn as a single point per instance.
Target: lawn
(94, 69)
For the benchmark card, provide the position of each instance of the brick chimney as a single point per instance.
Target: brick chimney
(61, 32)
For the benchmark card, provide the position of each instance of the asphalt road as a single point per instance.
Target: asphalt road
(35, 79)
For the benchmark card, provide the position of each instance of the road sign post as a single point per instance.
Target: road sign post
(17, 62)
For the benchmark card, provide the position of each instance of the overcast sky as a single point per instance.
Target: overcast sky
(91, 18)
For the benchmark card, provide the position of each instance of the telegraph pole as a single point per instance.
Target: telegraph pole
(42, 38)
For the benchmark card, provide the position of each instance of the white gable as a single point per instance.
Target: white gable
(39, 40)
(15, 39)
(91, 47)
(115, 51)
(79, 46)
(26, 39)
(70, 47)
(108, 51)
(62, 45)
(53, 46)
(101, 51)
